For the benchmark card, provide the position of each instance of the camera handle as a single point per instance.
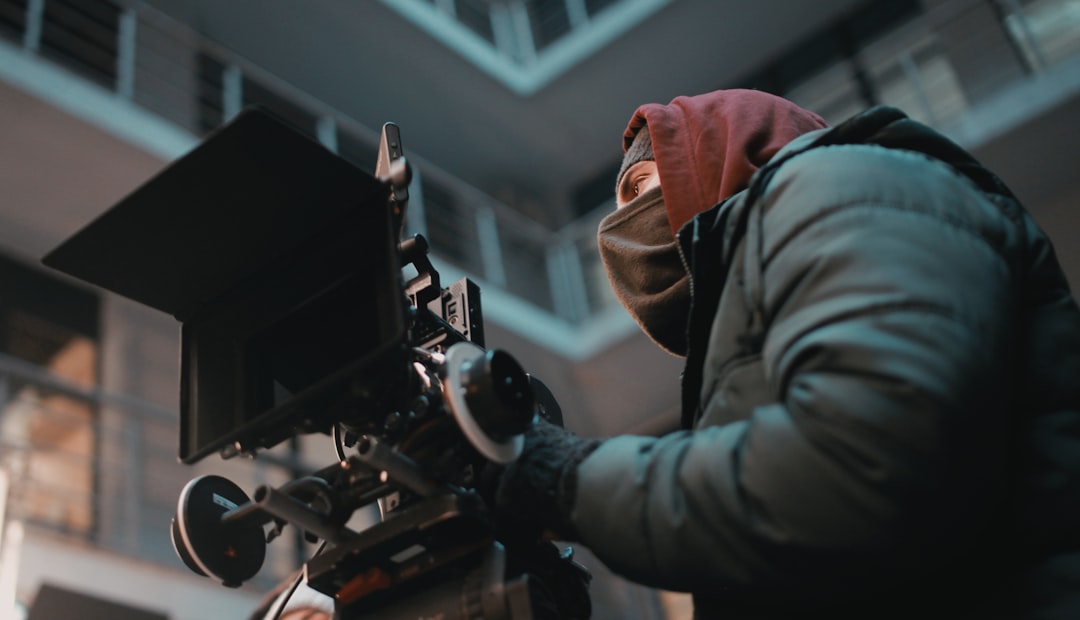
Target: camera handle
(394, 170)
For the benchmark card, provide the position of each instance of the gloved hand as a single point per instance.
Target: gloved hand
(536, 492)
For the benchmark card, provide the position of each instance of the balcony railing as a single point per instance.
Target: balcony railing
(940, 64)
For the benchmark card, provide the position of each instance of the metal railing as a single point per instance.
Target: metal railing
(937, 66)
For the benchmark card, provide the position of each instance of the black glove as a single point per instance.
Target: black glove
(536, 492)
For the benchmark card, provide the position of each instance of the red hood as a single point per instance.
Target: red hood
(708, 146)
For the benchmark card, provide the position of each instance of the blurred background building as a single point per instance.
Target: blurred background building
(511, 112)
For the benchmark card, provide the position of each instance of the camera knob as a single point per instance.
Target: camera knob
(491, 399)
(230, 552)
(499, 395)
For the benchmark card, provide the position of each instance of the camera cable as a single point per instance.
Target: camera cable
(283, 599)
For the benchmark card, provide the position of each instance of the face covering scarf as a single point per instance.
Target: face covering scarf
(642, 261)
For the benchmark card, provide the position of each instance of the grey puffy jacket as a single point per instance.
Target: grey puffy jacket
(882, 399)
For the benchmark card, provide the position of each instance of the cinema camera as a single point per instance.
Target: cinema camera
(303, 311)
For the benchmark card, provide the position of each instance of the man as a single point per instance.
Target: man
(882, 386)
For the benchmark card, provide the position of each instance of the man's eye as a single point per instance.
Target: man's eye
(641, 178)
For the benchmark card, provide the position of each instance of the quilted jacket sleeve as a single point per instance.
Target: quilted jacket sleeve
(889, 296)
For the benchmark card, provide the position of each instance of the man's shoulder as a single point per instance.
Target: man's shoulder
(857, 173)
(892, 183)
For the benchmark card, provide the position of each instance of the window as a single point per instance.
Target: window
(13, 19)
(49, 359)
(81, 34)
(476, 16)
(836, 46)
(1044, 30)
(209, 92)
(451, 228)
(549, 21)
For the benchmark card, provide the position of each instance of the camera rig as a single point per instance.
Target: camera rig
(285, 266)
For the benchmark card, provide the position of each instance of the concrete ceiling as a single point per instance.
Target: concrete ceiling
(368, 62)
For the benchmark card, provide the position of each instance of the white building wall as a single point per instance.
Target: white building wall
(120, 579)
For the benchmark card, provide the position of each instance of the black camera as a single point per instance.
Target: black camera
(286, 267)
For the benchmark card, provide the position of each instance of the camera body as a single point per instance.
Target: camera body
(285, 266)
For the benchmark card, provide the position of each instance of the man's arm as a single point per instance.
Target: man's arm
(890, 308)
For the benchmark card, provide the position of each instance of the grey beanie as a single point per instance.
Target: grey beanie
(640, 150)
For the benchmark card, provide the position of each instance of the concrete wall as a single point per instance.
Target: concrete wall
(123, 580)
